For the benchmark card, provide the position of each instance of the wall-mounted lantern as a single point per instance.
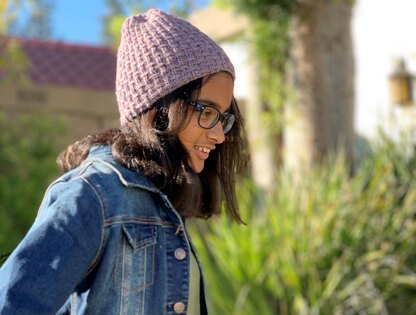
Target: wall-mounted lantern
(400, 82)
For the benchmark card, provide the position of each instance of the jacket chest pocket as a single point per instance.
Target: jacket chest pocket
(135, 261)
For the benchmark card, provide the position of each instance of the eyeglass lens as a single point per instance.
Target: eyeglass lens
(209, 117)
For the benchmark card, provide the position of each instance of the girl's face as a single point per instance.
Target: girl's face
(217, 92)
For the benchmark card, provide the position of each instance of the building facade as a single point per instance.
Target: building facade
(72, 82)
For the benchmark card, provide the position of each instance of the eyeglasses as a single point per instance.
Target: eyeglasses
(209, 116)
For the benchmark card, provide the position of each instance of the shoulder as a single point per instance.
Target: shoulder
(100, 164)
(101, 172)
(101, 183)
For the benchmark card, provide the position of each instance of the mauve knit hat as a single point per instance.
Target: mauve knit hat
(159, 53)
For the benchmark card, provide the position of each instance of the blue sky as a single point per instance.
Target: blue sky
(80, 21)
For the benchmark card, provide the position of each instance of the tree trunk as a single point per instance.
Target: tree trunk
(319, 114)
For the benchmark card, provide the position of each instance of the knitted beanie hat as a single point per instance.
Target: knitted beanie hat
(159, 53)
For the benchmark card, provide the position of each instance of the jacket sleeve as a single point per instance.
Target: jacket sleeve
(56, 253)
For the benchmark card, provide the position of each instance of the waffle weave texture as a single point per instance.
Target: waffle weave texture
(159, 53)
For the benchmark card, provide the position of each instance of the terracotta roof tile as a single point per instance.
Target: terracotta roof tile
(61, 64)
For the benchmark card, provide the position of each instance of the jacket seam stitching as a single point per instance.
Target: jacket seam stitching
(121, 177)
(102, 240)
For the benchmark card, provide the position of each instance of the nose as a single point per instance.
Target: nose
(216, 133)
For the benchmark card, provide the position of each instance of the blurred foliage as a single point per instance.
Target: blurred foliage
(330, 243)
(118, 10)
(9, 12)
(14, 65)
(3, 16)
(29, 147)
(27, 18)
(270, 20)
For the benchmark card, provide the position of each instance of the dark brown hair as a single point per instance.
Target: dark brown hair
(149, 144)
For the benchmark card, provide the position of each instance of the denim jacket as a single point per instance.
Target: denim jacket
(105, 241)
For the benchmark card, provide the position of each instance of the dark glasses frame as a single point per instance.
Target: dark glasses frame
(227, 120)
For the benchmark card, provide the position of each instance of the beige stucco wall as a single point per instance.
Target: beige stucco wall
(83, 111)
(220, 24)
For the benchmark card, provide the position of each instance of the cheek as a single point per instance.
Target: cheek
(189, 141)
(190, 134)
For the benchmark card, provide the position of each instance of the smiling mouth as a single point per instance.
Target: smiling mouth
(202, 149)
(202, 153)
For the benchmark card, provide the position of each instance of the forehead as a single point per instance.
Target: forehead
(218, 90)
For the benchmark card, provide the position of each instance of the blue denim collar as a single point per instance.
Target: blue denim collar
(130, 178)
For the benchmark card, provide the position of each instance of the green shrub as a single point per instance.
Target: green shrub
(29, 146)
(331, 243)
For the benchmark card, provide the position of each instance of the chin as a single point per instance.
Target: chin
(197, 168)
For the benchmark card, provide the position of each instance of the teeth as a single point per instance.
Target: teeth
(206, 150)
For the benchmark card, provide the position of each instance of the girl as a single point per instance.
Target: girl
(110, 237)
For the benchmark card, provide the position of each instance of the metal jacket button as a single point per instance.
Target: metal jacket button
(180, 254)
(179, 307)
